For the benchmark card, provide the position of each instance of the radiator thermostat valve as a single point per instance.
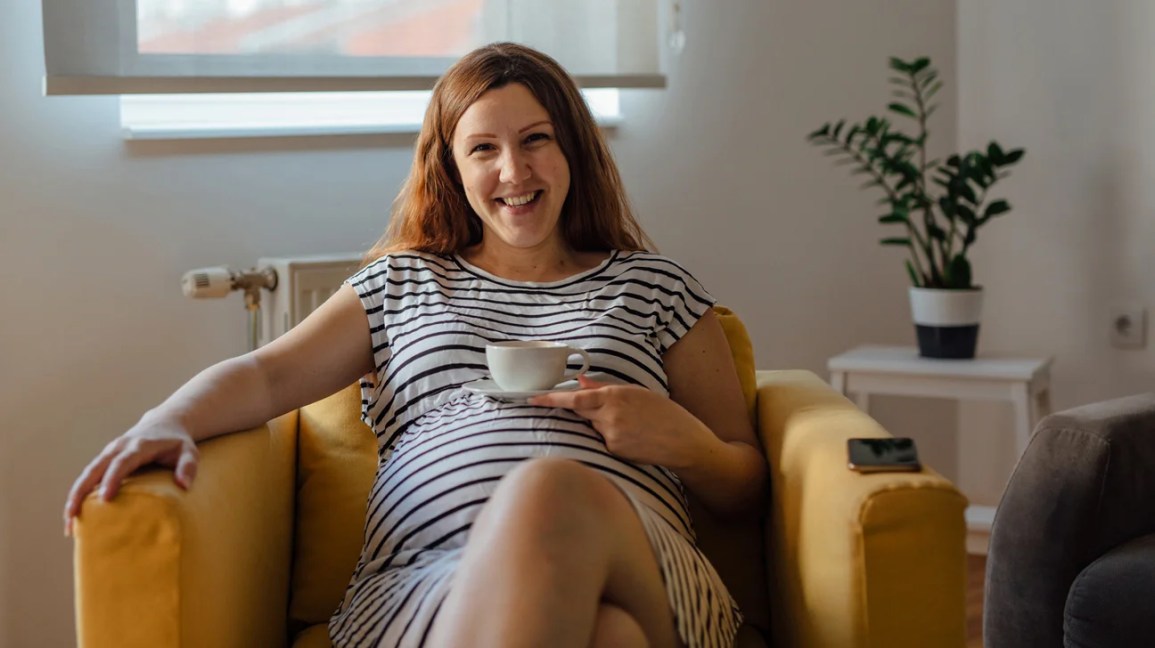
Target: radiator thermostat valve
(206, 283)
(220, 281)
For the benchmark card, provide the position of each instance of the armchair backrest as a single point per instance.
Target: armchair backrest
(337, 460)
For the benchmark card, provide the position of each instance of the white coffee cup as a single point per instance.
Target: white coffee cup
(531, 365)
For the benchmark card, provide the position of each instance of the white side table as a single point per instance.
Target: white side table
(900, 371)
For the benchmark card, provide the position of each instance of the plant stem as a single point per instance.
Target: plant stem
(927, 205)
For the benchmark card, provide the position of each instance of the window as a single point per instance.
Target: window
(227, 46)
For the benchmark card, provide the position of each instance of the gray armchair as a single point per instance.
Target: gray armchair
(1072, 549)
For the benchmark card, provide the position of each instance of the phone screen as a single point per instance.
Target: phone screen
(883, 454)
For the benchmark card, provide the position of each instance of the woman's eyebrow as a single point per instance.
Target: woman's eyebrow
(535, 125)
(521, 130)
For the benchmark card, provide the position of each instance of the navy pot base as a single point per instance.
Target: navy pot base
(953, 342)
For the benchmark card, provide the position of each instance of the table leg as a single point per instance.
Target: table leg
(838, 382)
(1042, 402)
(1021, 400)
(862, 399)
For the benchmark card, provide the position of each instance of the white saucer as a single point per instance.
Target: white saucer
(487, 387)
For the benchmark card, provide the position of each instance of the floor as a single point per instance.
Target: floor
(976, 565)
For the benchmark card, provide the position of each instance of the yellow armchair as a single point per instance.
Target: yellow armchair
(259, 551)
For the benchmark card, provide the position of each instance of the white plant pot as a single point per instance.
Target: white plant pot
(946, 321)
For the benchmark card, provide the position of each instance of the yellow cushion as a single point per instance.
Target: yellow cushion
(337, 458)
(742, 351)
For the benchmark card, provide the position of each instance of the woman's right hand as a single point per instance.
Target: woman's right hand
(163, 443)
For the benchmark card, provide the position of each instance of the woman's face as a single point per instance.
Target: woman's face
(515, 175)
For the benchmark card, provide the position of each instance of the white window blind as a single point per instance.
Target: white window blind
(223, 46)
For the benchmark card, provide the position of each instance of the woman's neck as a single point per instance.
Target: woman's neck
(546, 264)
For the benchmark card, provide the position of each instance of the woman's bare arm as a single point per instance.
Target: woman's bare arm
(325, 352)
(729, 475)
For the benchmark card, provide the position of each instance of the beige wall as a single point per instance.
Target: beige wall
(95, 234)
(1072, 82)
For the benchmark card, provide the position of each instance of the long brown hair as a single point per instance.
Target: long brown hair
(431, 213)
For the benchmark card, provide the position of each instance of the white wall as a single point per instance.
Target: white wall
(95, 234)
(1074, 83)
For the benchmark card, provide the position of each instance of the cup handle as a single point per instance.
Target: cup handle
(585, 362)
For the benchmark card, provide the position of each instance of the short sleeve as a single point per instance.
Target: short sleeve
(685, 301)
(371, 285)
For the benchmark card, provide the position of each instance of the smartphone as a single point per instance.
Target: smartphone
(887, 454)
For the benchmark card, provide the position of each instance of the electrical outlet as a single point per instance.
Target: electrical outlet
(1128, 326)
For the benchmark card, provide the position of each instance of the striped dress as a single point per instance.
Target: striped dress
(442, 448)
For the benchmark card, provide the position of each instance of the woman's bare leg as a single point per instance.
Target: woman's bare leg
(555, 541)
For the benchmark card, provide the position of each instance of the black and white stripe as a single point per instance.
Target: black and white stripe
(443, 449)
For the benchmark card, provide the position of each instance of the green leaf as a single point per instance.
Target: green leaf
(854, 130)
(932, 90)
(948, 207)
(965, 191)
(905, 242)
(996, 153)
(1012, 157)
(901, 109)
(838, 128)
(919, 64)
(899, 65)
(887, 219)
(966, 214)
(996, 208)
(958, 272)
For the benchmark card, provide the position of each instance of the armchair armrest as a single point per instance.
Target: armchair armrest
(159, 566)
(1082, 488)
(855, 560)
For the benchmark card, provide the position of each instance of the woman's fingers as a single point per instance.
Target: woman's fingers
(122, 457)
(582, 401)
(84, 484)
(122, 467)
(186, 467)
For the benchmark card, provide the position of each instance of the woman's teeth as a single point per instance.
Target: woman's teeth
(518, 201)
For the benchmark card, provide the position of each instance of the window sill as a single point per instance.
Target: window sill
(216, 131)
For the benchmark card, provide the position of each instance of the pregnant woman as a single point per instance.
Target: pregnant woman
(561, 521)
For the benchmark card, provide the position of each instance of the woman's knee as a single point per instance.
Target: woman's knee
(548, 493)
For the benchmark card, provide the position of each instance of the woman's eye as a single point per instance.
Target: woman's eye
(480, 148)
(537, 137)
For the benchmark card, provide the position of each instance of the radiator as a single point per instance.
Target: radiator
(303, 284)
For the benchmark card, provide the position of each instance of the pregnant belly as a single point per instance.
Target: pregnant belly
(447, 465)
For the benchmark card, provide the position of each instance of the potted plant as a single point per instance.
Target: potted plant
(939, 205)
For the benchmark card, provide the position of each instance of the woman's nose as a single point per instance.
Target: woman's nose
(514, 168)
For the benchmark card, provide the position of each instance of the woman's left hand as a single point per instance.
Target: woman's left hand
(636, 423)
